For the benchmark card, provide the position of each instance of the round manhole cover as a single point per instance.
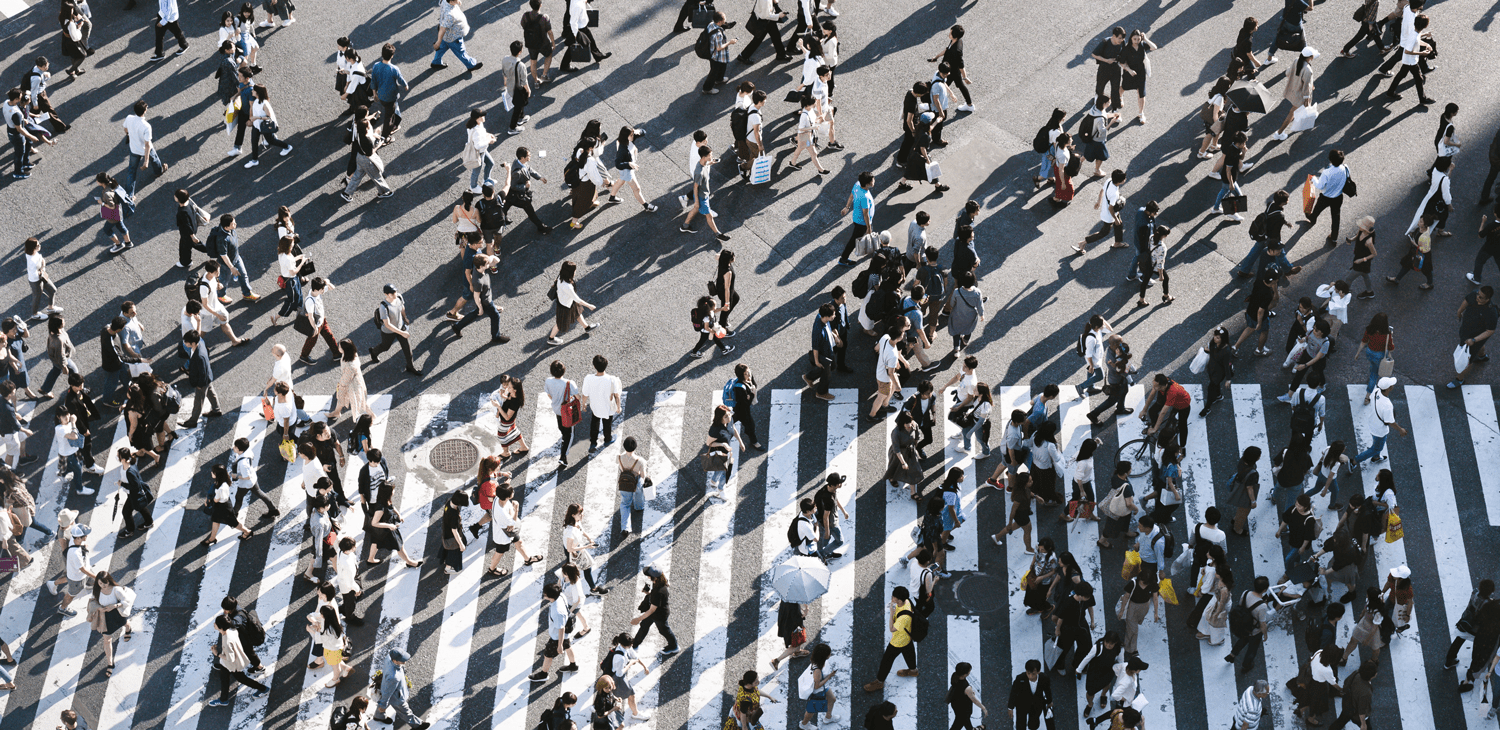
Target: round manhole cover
(980, 593)
(454, 456)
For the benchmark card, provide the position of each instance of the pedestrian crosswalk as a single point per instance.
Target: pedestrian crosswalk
(476, 638)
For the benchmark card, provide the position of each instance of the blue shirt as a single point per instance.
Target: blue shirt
(913, 312)
(822, 338)
(1330, 184)
(387, 81)
(863, 201)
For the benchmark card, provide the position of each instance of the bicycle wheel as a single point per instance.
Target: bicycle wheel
(1138, 453)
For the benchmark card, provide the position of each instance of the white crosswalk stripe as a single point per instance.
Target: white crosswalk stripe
(1430, 469)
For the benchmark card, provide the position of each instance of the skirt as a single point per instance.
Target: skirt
(508, 432)
(224, 513)
(333, 657)
(916, 168)
(113, 622)
(583, 197)
(385, 539)
(567, 317)
(1095, 151)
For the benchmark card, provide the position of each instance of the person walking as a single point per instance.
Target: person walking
(1489, 248)
(1477, 318)
(263, 124)
(656, 613)
(232, 661)
(576, 33)
(824, 342)
(41, 283)
(1299, 88)
(224, 246)
(201, 377)
(222, 506)
(569, 305)
(899, 626)
(484, 299)
(452, 27)
(142, 150)
(313, 320)
(702, 193)
(601, 396)
(367, 163)
(351, 392)
(718, 55)
(1110, 203)
(190, 218)
(519, 190)
(1030, 697)
(517, 92)
(765, 21)
(1135, 68)
(395, 328)
(1248, 636)
(1219, 370)
(389, 86)
(536, 32)
(138, 495)
(166, 20)
(861, 209)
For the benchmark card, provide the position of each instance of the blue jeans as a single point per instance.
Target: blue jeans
(75, 465)
(1373, 451)
(1097, 376)
(716, 480)
(135, 167)
(1333, 490)
(293, 300)
(834, 541)
(458, 50)
(486, 165)
(1046, 166)
(1374, 358)
(1224, 191)
(243, 277)
(121, 379)
(115, 228)
(969, 434)
(630, 501)
(1251, 262)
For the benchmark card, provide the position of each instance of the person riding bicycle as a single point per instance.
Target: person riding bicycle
(1167, 400)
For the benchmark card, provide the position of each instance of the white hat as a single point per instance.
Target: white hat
(79, 531)
(1401, 571)
(1310, 52)
(1325, 291)
(1386, 383)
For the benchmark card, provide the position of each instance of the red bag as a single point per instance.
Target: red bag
(799, 638)
(266, 409)
(572, 408)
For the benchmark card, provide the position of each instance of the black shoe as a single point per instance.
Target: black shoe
(845, 369)
(28, 459)
(570, 668)
(499, 339)
(476, 67)
(413, 371)
(215, 413)
(373, 357)
(439, 65)
(188, 424)
(475, 529)
(421, 726)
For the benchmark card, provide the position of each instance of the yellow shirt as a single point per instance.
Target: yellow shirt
(901, 633)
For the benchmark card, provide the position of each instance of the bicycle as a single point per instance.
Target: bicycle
(1140, 453)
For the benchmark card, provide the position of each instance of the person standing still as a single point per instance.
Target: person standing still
(861, 209)
(601, 396)
(395, 328)
(166, 19)
(452, 27)
(718, 57)
(389, 85)
(142, 150)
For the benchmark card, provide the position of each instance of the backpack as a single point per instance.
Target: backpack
(191, 287)
(1241, 617)
(608, 665)
(919, 625)
(252, 631)
(704, 47)
(570, 173)
(1171, 547)
(1312, 636)
(729, 392)
(381, 307)
(339, 719)
(1305, 415)
(172, 400)
(739, 123)
(1083, 343)
(791, 533)
(1040, 143)
(532, 32)
(1086, 128)
(1258, 226)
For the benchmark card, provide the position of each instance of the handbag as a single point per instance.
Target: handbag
(580, 53)
(572, 408)
(1131, 566)
(1309, 195)
(800, 637)
(760, 170)
(267, 410)
(793, 96)
(593, 18)
(303, 325)
(1393, 530)
(703, 14)
(1359, 13)
(715, 461)
(270, 126)
(1115, 505)
(1388, 364)
(867, 244)
(805, 682)
(1167, 591)
(288, 449)
(934, 171)
(1200, 362)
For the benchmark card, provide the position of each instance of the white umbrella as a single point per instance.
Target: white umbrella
(801, 579)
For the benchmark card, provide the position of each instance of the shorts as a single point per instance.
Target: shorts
(1265, 324)
(703, 205)
(500, 547)
(541, 52)
(12, 442)
(1476, 351)
(556, 646)
(75, 587)
(1023, 520)
(626, 175)
(490, 235)
(886, 388)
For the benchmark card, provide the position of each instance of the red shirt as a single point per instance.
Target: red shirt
(487, 495)
(1177, 397)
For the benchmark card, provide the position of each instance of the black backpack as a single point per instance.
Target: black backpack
(172, 401)
(1305, 415)
(252, 631)
(919, 625)
(190, 287)
(791, 533)
(1171, 546)
(739, 123)
(1040, 143)
(339, 719)
(1258, 226)
(704, 47)
(608, 665)
(1242, 617)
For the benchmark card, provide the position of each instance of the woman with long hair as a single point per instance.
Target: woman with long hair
(357, 90)
(224, 512)
(1212, 116)
(722, 440)
(1020, 510)
(1329, 464)
(1219, 370)
(821, 700)
(327, 628)
(1053, 130)
(73, 39)
(263, 124)
(705, 316)
(1136, 67)
(578, 545)
(290, 261)
(109, 612)
(1299, 89)
(477, 154)
(465, 222)
(1364, 252)
(591, 178)
(385, 527)
(983, 405)
(1378, 339)
(508, 401)
(1042, 572)
(1244, 489)
(351, 393)
(1065, 164)
(569, 305)
(1081, 502)
(723, 288)
(627, 166)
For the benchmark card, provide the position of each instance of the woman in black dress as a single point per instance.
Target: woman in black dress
(1098, 669)
(723, 288)
(73, 38)
(917, 161)
(385, 527)
(1136, 67)
(223, 510)
(903, 464)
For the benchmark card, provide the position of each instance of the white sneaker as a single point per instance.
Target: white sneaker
(807, 726)
(95, 469)
(54, 309)
(87, 491)
(286, 151)
(640, 717)
(233, 152)
(966, 108)
(252, 163)
(1216, 175)
(830, 12)
(265, 24)
(288, 22)
(52, 587)
(1278, 136)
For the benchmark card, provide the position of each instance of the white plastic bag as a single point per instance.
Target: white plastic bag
(648, 489)
(1295, 354)
(760, 170)
(934, 171)
(1460, 358)
(805, 683)
(1200, 362)
(1304, 118)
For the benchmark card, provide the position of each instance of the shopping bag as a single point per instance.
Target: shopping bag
(1232, 204)
(805, 682)
(1460, 358)
(1303, 118)
(1051, 652)
(1167, 591)
(593, 18)
(1308, 196)
(267, 410)
(867, 244)
(1387, 365)
(288, 449)
(1131, 566)
(1393, 531)
(934, 171)
(648, 489)
(1200, 362)
(703, 14)
(760, 170)
(1026, 580)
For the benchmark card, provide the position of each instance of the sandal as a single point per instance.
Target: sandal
(501, 572)
(246, 535)
(128, 634)
(583, 633)
(109, 671)
(533, 559)
(1167, 300)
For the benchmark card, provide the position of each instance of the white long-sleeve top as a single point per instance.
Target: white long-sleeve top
(357, 75)
(578, 15)
(567, 296)
(590, 171)
(1126, 685)
(344, 570)
(168, 10)
(1439, 186)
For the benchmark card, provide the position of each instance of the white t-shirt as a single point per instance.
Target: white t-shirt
(34, 264)
(189, 323)
(312, 471)
(503, 515)
(1093, 347)
(313, 307)
(139, 131)
(285, 411)
(810, 66)
(241, 467)
(282, 372)
(567, 296)
(60, 438)
(573, 592)
(1381, 414)
(557, 617)
(968, 386)
(344, 567)
(572, 532)
(598, 389)
(1083, 471)
(287, 262)
(886, 360)
(77, 561)
(1108, 196)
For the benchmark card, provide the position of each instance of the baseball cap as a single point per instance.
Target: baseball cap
(390, 288)
(79, 531)
(400, 655)
(1385, 383)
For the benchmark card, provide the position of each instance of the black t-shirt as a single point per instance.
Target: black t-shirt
(1107, 49)
(824, 503)
(658, 598)
(875, 720)
(326, 452)
(1072, 612)
(452, 520)
(1260, 298)
(909, 108)
(1478, 318)
(954, 56)
(489, 212)
(1233, 156)
(1490, 231)
(958, 698)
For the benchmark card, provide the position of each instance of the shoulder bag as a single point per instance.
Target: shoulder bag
(572, 408)
(1388, 363)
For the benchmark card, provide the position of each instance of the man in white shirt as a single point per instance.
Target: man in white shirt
(67, 440)
(558, 612)
(1109, 205)
(208, 289)
(1382, 419)
(1330, 187)
(558, 389)
(242, 476)
(142, 151)
(1093, 354)
(166, 19)
(78, 569)
(395, 328)
(344, 568)
(765, 19)
(316, 316)
(601, 396)
(281, 369)
(133, 339)
(888, 361)
(806, 526)
(1413, 50)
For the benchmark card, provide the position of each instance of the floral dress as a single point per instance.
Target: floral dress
(352, 393)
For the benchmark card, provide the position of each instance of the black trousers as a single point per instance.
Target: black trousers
(594, 424)
(685, 15)
(1215, 391)
(956, 81)
(161, 33)
(567, 438)
(486, 308)
(855, 231)
(519, 112)
(185, 248)
(524, 203)
(759, 31)
(1416, 75)
(908, 141)
(1108, 74)
(1115, 399)
(1104, 229)
(819, 375)
(661, 627)
(888, 659)
(1335, 206)
(716, 71)
(132, 507)
(386, 340)
(1391, 62)
(347, 610)
(241, 119)
(743, 417)
(392, 117)
(228, 678)
(1486, 252)
(1366, 30)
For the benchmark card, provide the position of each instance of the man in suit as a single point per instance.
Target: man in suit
(201, 377)
(137, 494)
(841, 328)
(1030, 695)
(80, 402)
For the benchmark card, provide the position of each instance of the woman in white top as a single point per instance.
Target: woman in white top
(984, 404)
(812, 58)
(286, 411)
(1047, 463)
(312, 468)
(229, 30)
(625, 163)
(1081, 503)
(572, 584)
(807, 122)
(569, 306)
(591, 178)
(191, 318)
(477, 155)
(328, 631)
(289, 264)
(505, 530)
(41, 284)
(1437, 202)
(1212, 116)
(244, 23)
(113, 603)
(285, 226)
(357, 89)
(578, 544)
(1330, 463)
(1216, 612)
(263, 124)
(465, 221)
(222, 501)
(831, 51)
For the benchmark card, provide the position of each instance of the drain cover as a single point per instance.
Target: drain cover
(981, 593)
(454, 456)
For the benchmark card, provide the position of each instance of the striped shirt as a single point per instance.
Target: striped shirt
(1247, 710)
